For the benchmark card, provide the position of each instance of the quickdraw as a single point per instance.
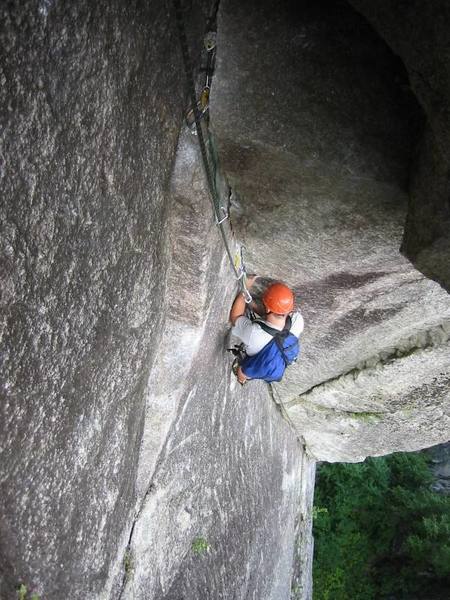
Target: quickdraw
(241, 272)
(221, 214)
(209, 43)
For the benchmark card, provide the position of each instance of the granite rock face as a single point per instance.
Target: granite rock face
(392, 406)
(318, 151)
(440, 467)
(132, 465)
(302, 580)
(91, 110)
(221, 470)
(418, 33)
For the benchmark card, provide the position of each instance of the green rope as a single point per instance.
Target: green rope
(215, 200)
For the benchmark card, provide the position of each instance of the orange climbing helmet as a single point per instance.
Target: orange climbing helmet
(279, 299)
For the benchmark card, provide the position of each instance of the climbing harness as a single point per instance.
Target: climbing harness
(221, 213)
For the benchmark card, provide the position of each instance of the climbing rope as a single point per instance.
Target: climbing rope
(219, 211)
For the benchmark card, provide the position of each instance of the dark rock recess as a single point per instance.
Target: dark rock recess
(419, 33)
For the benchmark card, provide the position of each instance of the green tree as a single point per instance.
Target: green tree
(380, 532)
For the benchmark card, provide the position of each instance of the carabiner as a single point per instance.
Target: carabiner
(224, 218)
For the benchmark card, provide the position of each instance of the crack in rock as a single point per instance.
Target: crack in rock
(435, 337)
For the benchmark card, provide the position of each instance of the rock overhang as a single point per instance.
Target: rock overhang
(319, 169)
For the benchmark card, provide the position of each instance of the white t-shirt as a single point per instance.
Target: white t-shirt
(255, 338)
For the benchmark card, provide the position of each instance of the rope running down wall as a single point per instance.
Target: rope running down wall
(215, 200)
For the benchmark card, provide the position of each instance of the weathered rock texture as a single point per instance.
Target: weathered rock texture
(302, 580)
(124, 439)
(418, 32)
(91, 98)
(126, 445)
(316, 126)
(218, 462)
(440, 467)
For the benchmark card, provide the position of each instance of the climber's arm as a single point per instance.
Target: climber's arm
(239, 304)
(238, 308)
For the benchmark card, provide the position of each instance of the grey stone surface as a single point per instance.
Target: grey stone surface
(91, 98)
(218, 462)
(316, 127)
(302, 580)
(418, 32)
(440, 467)
(390, 407)
(125, 440)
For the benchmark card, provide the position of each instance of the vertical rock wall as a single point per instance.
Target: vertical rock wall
(132, 465)
(220, 469)
(91, 100)
(124, 439)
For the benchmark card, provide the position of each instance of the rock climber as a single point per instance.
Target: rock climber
(280, 324)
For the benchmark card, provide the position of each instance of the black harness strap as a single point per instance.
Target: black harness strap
(279, 336)
(276, 332)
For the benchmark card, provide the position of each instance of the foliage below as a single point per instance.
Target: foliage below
(380, 532)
